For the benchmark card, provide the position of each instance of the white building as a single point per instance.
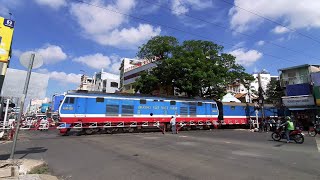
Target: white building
(101, 81)
(106, 82)
(35, 105)
(238, 89)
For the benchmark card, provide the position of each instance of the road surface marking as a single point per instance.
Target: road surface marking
(318, 143)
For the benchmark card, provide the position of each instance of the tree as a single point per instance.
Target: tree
(195, 68)
(274, 92)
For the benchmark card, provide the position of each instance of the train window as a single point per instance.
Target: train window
(67, 100)
(71, 100)
(183, 111)
(233, 107)
(127, 110)
(99, 99)
(199, 103)
(112, 110)
(193, 110)
(172, 102)
(155, 100)
(143, 101)
(161, 100)
(214, 106)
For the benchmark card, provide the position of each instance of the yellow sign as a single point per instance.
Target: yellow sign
(6, 33)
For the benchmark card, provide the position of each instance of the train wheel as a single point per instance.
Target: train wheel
(130, 130)
(88, 131)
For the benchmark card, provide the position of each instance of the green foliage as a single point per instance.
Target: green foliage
(274, 92)
(196, 68)
(44, 169)
(159, 46)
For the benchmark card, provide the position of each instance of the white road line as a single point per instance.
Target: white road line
(318, 143)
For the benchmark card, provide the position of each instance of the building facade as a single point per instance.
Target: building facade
(301, 85)
(241, 92)
(131, 69)
(101, 81)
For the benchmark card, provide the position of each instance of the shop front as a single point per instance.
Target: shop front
(303, 109)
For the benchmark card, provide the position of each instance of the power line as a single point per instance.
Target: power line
(272, 21)
(169, 27)
(241, 33)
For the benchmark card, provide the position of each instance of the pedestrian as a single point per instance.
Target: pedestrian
(173, 125)
(251, 123)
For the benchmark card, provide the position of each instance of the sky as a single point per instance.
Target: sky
(84, 36)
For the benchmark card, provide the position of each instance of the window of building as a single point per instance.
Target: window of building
(143, 101)
(112, 110)
(114, 84)
(99, 99)
(172, 102)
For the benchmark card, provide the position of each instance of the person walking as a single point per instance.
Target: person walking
(173, 125)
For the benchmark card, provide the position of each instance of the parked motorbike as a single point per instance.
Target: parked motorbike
(313, 131)
(295, 135)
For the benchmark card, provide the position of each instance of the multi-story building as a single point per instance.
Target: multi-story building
(101, 81)
(130, 70)
(240, 91)
(106, 82)
(301, 85)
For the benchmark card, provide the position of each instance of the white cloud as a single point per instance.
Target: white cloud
(50, 54)
(184, 6)
(7, 6)
(105, 27)
(16, 52)
(260, 43)
(128, 37)
(293, 13)
(54, 4)
(96, 61)
(280, 30)
(62, 77)
(239, 45)
(99, 61)
(246, 58)
(65, 78)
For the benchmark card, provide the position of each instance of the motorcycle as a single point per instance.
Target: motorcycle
(295, 135)
(313, 131)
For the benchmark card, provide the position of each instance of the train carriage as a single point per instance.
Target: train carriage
(94, 111)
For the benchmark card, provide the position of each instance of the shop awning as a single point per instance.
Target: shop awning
(302, 108)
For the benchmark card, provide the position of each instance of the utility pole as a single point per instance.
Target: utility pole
(261, 98)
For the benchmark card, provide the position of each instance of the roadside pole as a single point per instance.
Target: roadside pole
(6, 114)
(25, 91)
(257, 118)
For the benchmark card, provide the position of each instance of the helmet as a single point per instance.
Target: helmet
(288, 118)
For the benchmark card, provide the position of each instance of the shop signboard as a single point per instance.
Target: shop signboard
(295, 101)
(6, 33)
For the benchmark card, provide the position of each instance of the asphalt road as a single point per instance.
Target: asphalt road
(216, 154)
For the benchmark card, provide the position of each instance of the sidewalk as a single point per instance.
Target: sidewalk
(20, 169)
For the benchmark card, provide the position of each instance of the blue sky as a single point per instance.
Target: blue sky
(73, 37)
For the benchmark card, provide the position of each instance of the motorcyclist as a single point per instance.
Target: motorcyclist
(289, 127)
